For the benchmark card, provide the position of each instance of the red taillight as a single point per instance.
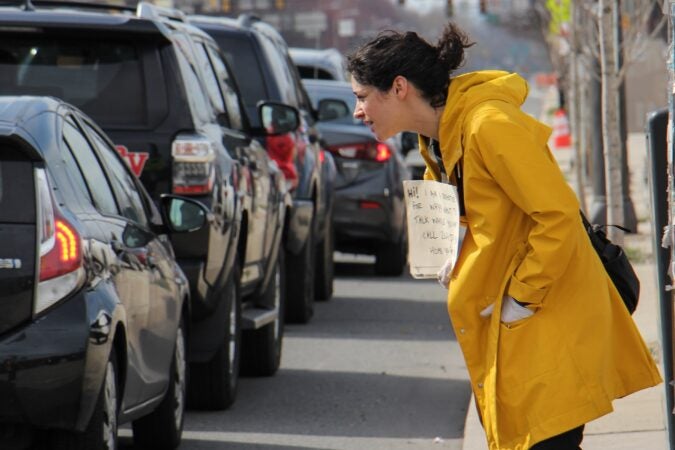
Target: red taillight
(197, 189)
(281, 149)
(60, 269)
(193, 166)
(365, 204)
(322, 156)
(63, 254)
(383, 153)
(371, 151)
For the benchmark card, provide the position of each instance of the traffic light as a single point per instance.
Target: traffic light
(449, 10)
(280, 4)
(226, 6)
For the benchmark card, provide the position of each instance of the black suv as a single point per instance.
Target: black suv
(94, 310)
(260, 59)
(161, 90)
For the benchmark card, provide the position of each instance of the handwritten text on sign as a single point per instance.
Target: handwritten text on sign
(433, 225)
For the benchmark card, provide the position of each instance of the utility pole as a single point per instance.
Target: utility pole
(575, 110)
(608, 15)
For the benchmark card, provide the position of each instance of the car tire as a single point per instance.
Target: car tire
(391, 257)
(325, 266)
(163, 428)
(300, 283)
(101, 432)
(261, 349)
(213, 385)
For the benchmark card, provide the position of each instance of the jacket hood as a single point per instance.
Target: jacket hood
(465, 92)
(469, 89)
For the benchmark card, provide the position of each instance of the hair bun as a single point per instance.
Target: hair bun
(451, 45)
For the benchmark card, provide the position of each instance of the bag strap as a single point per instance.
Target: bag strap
(433, 145)
(588, 225)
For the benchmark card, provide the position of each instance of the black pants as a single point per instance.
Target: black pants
(570, 440)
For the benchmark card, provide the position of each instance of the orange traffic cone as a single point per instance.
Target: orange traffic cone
(561, 130)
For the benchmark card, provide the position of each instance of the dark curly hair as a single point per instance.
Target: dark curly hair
(428, 67)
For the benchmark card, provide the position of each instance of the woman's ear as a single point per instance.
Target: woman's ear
(400, 86)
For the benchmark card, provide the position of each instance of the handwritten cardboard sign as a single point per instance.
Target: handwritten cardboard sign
(432, 212)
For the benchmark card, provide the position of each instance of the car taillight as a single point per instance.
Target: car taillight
(281, 148)
(371, 151)
(63, 254)
(366, 204)
(193, 166)
(60, 267)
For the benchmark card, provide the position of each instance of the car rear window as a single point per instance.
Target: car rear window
(316, 94)
(103, 78)
(17, 187)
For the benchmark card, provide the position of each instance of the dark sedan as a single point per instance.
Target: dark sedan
(93, 307)
(369, 211)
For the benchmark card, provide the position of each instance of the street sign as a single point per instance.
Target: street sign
(346, 28)
(314, 21)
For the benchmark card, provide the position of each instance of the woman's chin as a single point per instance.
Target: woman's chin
(380, 136)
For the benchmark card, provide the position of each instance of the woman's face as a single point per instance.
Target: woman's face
(376, 109)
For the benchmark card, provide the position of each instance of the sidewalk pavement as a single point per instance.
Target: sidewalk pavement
(638, 421)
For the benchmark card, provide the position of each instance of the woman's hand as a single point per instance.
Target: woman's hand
(513, 310)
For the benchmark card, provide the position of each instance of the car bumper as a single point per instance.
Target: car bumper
(51, 369)
(367, 211)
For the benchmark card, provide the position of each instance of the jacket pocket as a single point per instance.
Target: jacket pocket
(525, 350)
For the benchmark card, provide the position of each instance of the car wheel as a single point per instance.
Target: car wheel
(391, 257)
(101, 432)
(163, 428)
(261, 349)
(213, 385)
(325, 267)
(300, 283)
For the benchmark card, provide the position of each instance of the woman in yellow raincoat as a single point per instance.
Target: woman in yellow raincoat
(545, 335)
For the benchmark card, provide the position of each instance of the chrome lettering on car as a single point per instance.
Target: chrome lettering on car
(10, 263)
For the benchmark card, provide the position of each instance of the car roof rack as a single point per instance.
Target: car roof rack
(245, 19)
(29, 5)
(149, 11)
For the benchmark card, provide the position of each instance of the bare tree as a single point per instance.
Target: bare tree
(621, 34)
(608, 15)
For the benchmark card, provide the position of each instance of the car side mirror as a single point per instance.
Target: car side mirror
(183, 215)
(278, 118)
(332, 109)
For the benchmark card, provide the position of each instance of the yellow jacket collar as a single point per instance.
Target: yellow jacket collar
(465, 92)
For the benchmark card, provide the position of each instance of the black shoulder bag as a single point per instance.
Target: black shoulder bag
(616, 264)
(612, 256)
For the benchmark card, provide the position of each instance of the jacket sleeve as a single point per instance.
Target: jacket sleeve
(513, 148)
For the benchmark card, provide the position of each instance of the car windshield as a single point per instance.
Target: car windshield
(103, 78)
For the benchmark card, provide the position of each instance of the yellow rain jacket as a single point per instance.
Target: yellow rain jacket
(561, 367)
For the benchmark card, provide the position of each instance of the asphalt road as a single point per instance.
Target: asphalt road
(378, 367)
